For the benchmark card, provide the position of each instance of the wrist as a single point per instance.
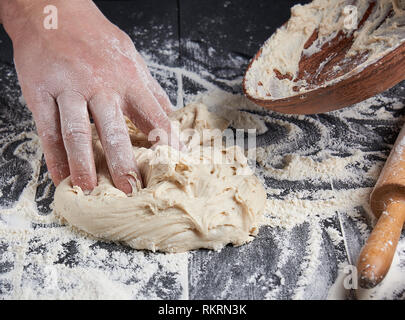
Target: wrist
(15, 13)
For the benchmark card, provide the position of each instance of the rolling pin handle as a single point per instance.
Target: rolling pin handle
(376, 257)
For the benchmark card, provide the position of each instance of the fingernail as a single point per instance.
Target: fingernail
(135, 184)
(86, 184)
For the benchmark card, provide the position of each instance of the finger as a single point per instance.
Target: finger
(147, 114)
(153, 85)
(111, 127)
(46, 117)
(160, 95)
(76, 133)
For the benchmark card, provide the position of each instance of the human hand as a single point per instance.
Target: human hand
(87, 66)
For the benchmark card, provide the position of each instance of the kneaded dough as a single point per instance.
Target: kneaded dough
(185, 204)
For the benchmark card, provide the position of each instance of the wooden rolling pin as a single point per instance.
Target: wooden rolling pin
(388, 205)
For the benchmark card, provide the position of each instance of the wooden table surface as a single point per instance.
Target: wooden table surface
(216, 39)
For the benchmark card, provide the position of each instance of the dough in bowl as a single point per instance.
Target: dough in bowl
(189, 201)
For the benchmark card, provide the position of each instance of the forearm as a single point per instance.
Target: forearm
(15, 13)
(9, 8)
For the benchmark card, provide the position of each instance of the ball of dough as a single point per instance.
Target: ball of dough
(189, 201)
